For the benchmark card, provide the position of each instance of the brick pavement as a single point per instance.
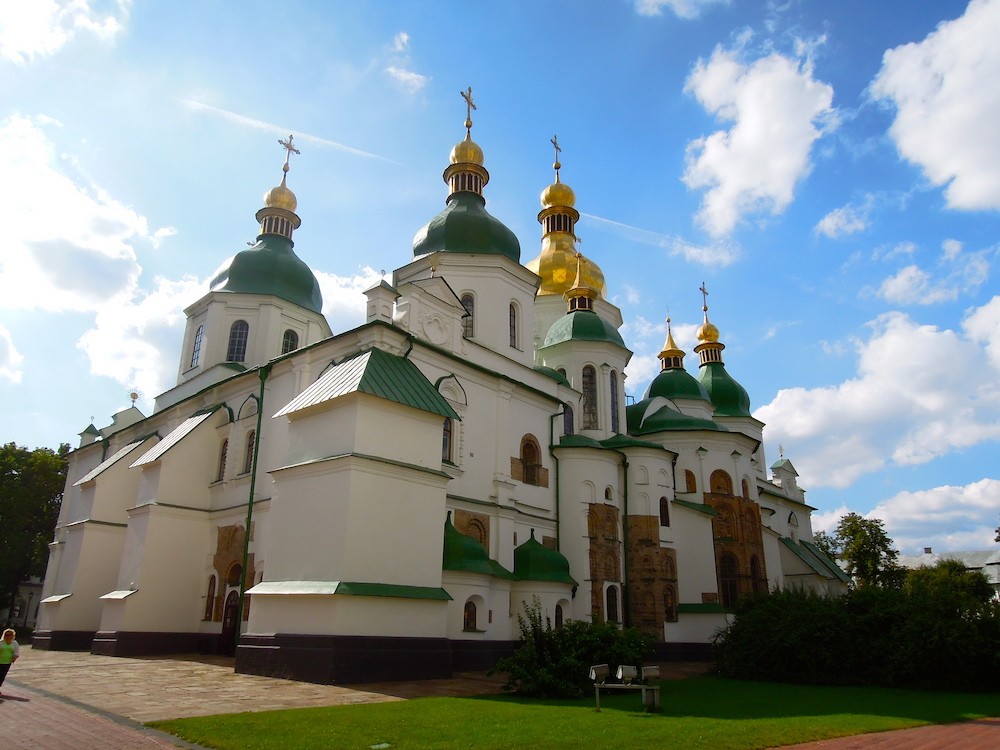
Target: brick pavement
(72, 700)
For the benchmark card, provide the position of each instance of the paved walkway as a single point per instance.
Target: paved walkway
(58, 700)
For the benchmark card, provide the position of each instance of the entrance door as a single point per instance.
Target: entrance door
(227, 638)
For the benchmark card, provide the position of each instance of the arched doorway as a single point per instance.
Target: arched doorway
(230, 627)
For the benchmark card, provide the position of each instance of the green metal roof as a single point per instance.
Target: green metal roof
(583, 325)
(676, 383)
(814, 558)
(465, 554)
(533, 561)
(827, 563)
(708, 510)
(376, 373)
(465, 226)
(271, 267)
(554, 374)
(664, 419)
(729, 397)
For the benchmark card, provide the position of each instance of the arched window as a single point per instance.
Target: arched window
(289, 342)
(513, 325)
(239, 334)
(664, 512)
(589, 398)
(530, 460)
(691, 484)
(746, 489)
(196, 349)
(248, 458)
(469, 319)
(559, 615)
(210, 599)
(446, 435)
(469, 616)
(614, 401)
(669, 604)
(721, 482)
(612, 604)
(234, 575)
(223, 453)
(568, 426)
(609, 495)
(729, 585)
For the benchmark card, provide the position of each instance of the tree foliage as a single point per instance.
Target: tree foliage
(939, 631)
(555, 662)
(827, 544)
(31, 485)
(868, 551)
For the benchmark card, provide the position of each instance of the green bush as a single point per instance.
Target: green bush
(934, 637)
(555, 662)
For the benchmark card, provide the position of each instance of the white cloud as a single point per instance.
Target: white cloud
(344, 302)
(400, 42)
(73, 245)
(680, 8)
(38, 28)
(136, 340)
(10, 358)
(947, 104)
(409, 81)
(963, 273)
(720, 254)
(951, 400)
(848, 219)
(777, 110)
(919, 519)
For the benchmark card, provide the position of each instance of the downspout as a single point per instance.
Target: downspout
(555, 465)
(263, 374)
(626, 592)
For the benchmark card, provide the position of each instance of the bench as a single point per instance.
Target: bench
(626, 674)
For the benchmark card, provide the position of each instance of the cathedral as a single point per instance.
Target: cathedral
(381, 503)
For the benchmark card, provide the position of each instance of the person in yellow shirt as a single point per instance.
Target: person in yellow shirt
(9, 651)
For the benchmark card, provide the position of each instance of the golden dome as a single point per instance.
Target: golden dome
(557, 265)
(708, 332)
(558, 194)
(466, 152)
(280, 197)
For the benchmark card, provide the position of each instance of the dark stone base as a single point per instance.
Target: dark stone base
(479, 656)
(332, 659)
(62, 640)
(682, 651)
(121, 643)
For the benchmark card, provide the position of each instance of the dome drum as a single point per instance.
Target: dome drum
(466, 177)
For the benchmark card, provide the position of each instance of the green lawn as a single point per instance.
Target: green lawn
(703, 712)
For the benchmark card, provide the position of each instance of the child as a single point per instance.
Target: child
(9, 651)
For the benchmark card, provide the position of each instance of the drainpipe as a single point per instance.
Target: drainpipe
(263, 374)
(625, 585)
(555, 465)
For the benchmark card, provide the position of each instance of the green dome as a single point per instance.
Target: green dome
(582, 325)
(466, 227)
(676, 383)
(465, 554)
(664, 419)
(533, 561)
(729, 398)
(271, 267)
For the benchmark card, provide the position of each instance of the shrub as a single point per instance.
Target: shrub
(555, 662)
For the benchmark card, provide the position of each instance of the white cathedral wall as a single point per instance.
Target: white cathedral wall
(88, 569)
(695, 554)
(168, 584)
(492, 599)
(348, 615)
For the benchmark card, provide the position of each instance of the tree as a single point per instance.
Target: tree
(867, 549)
(949, 583)
(31, 485)
(827, 544)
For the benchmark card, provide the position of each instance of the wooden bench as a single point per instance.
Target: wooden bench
(650, 693)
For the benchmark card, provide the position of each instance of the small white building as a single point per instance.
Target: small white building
(387, 498)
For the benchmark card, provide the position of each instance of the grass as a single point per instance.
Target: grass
(704, 712)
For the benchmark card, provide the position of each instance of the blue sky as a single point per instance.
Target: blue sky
(831, 171)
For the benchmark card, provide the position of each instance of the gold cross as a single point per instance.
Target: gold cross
(469, 106)
(556, 165)
(289, 150)
(704, 297)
